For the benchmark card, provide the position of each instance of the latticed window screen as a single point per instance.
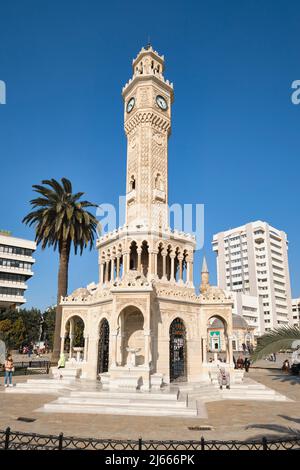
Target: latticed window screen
(177, 351)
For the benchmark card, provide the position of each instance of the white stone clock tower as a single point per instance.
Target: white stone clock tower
(148, 99)
(144, 324)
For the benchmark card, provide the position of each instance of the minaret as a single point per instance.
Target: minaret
(147, 121)
(204, 277)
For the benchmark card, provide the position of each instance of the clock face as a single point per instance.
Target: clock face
(161, 102)
(130, 104)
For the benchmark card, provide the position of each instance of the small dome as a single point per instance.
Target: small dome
(81, 292)
(238, 322)
(214, 292)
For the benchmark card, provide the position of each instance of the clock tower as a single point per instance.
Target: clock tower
(148, 98)
(144, 324)
(146, 244)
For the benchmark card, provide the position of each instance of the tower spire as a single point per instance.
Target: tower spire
(204, 276)
(204, 266)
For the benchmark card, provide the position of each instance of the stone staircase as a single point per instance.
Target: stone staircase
(48, 386)
(247, 390)
(186, 400)
(157, 403)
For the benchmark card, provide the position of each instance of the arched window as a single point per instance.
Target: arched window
(178, 356)
(132, 183)
(103, 347)
(159, 183)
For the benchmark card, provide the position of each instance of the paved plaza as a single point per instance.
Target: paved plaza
(227, 419)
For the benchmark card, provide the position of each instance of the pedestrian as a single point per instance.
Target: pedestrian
(240, 363)
(295, 368)
(247, 364)
(286, 366)
(61, 364)
(9, 369)
(223, 378)
(234, 362)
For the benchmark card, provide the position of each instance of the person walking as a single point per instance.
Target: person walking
(240, 362)
(286, 366)
(61, 364)
(247, 364)
(9, 369)
(223, 378)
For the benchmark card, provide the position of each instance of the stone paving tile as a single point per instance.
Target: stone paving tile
(229, 419)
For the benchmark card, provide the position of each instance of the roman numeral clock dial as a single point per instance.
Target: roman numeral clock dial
(161, 102)
(130, 105)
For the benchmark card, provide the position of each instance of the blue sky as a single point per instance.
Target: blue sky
(235, 136)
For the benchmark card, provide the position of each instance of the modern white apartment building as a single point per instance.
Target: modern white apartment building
(296, 311)
(15, 269)
(252, 259)
(249, 306)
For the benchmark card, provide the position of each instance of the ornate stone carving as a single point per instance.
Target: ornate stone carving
(133, 278)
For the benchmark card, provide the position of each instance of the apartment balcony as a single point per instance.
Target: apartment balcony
(9, 269)
(277, 263)
(259, 239)
(26, 259)
(13, 284)
(5, 299)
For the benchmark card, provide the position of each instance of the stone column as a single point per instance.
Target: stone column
(112, 267)
(106, 271)
(126, 262)
(114, 336)
(155, 262)
(204, 346)
(101, 276)
(190, 273)
(118, 266)
(62, 344)
(164, 274)
(72, 336)
(180, 259)
(151, 263)
(230, 350)
(172, 276)
(85, 351)
(147, 337)
(139, 253)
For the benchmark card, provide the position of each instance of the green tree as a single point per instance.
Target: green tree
(49, 325)
(275, 340)
(5, 332)
(30, 321)
(61, 220)
(18, 333)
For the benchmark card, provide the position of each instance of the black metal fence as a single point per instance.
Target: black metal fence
(14, 440)
(30, 367)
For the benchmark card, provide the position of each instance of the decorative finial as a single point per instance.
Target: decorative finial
(149, 43)
(204, 277)
(204, 265)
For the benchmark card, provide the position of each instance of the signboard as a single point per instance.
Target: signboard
(215, 340)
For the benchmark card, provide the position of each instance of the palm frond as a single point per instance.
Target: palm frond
(59, 216)
(275, 340)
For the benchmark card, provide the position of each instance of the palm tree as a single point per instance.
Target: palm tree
(275, 340)
(61, 220)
